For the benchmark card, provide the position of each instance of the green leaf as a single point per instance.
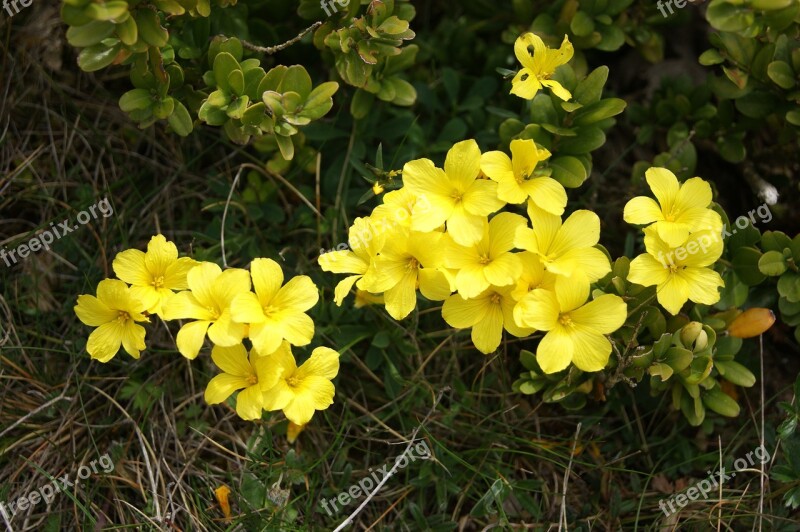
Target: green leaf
(180, 120)
(746, 265)
(735, 373)
(89, 34)
(113, 10)
(296, 80)
(782, 74)
(582, 24)
(721, 403)
(97, 57)
(789, 286)
(598, 111)
(136, 99)
(149, 27)
(286, 146)
(590, 90)
(711, 57)
(224, 65)
(772, 263)
(568, 171)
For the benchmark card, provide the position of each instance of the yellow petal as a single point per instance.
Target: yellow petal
(464, 313)
(642, 210)
(434, 284)
(604, 315)
(503, 270)
(190, 338)
(556, 58)
(580, 230)
(694, 193)
(278, 397)
(481, 198)
(555, 350)
(471, 280)
(315, 393)
(591, 349)
(488, 332)
(530, 50)
(432, 213)
(465, 228)
(343, 288)
(402, 298)
(571, 293)
(428, 248)
(175, 277)
(674, 234)
(497, 166)
(201, 280)
(299, 294)
(150, 297)
(421, 176)
(702, 249)
(512, 192)
(129, 265)
(105, 341)
(525, 157)
(133, 338)
(344, 261)
(225, 332)
(228, 285)
(590, 263)
(250, 403)
(232, 360)
(222, 386)
(647, 271)
(545, 225)
(673, 294)
(703, 283)
(221, 494)
(184, 305)
(267, 371)
(267, 279)
(323, 362)
(463, 163)
(295, 326)
(539, 309)
(548, 194)
(507, 305)
(160, 254)
(664, 185)
(246, 308)
(557, 88)
(525, 84)
(93, 312)
(502, 230)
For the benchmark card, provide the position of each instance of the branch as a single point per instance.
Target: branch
(269, 50)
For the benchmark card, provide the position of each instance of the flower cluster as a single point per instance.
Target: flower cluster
(682, 239)
(223, 308)
(491, 269)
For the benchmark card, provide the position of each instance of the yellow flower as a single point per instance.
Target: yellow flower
(515, 181)
(276, 312)
(539, 64)
(409, 260)
(114, 312)
(365, 242)
(153, 275)
(533, 276)
(680, 273)
(454, 195)
(575, 330)
(488, 314)
(365, 299)
(301, 391)
(208, 302)
(565, 249)
(396, 209)
(253, 376)
(681, 209)
(490, 260)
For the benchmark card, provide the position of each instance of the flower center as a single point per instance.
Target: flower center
(158, 282)
(123, 317)
(214, 312)
(413, 264)
(458, 196)
(565, 320)
(252, 379)
(495, 299)
(484, 259)
(293, 382)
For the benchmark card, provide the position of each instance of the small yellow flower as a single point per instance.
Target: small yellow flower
(409, 260)
(276, 312)
(396, 209)
(153, 275)
(565, 249)
(114, 312)
(533, 276)
(301, 391)
(454, 195)
(366, 241)
(575, 331)
(515, 180)
(680, 274)
(488, 314)
(681, 208)
(539, 64)
(490, 260)
(252, 376)
(208, 301)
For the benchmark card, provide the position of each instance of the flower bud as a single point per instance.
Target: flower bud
(693, 332)
(752, 322)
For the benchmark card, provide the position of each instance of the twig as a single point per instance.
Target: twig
(763, 462)
(394, 468)
(562, 519)
(272, 49)
(36, 411)
(225, 215)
